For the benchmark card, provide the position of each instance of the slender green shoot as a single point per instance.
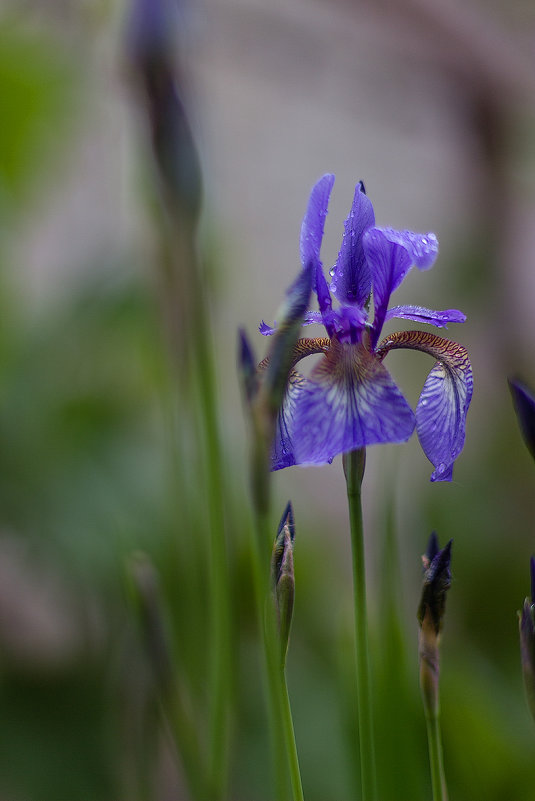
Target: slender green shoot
(438, 780)
(354, 463)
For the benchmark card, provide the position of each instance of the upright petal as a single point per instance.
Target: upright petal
(422, 248)
(390, 256)
(349, 401)
(314, 220)
(445, 398)
(351, 278)
(324, 297)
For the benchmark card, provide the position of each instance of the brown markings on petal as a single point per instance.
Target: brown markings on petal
(304, 347)
(442, 349)
(347, 363)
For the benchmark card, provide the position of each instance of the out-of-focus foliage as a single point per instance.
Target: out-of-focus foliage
(38, 81)
(99, 458)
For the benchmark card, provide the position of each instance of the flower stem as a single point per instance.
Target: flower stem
(291, 748)
(266, 624)
(283, 743)
(438, 780)
(429, 686)
(354, 463)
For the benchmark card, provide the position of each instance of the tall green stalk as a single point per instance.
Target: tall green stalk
(438, 779)
(291, 747)
(283, 744)
(354, 463)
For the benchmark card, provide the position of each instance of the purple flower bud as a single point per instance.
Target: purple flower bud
(150, 44)
(527, 642)
(524, 403)
(437, 581)
(247, 366)
(281, 354)
(282, 578)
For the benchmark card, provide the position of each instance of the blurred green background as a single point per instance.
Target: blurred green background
(432, 105)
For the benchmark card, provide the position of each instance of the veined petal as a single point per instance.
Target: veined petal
(351, 277)
(419, 314)
(445, 398)
(390, 256)
(314, 220)
(282, 451)
(349, 401)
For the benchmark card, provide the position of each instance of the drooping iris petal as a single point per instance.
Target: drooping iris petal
(314, 220)
(445, 398)
(282, 452)
(349, 401)
(351, 277)
(421, 315)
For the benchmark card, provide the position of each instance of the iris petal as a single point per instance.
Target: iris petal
(314, 220)
(349, 401)
(390, 256)
(351, 277)
(422, 248)
(445, 398)
(282, 452)
(310, 318)
(419, 314)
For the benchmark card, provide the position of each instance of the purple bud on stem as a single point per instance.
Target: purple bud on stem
(524, 403)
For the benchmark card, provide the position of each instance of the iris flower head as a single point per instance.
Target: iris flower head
(350, 400)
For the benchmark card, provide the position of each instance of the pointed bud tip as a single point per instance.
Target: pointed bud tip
(287, 519)
(246, 365)
(436, 583)
(432, 547)
(524, 405)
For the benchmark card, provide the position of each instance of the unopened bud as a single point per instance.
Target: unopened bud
(282, 578)
(437, 581)
(524, 403)
(151, 47)
(247, 366)
(527, 642)
(281, 354)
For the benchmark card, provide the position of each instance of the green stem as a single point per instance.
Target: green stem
(354, 462)
(438, 780)
(266, 624)
(291, 747)
(220, 614)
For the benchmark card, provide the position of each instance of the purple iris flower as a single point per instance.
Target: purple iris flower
(350, 400)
